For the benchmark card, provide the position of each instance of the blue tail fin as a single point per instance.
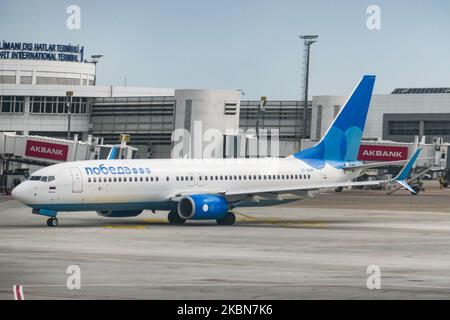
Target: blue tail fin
(342, 140)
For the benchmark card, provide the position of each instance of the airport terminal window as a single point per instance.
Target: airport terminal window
(57, 105)
(11, 104)
(437, 128)
(403, 128)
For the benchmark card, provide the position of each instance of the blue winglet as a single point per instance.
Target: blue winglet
(403, 175)
(113, 153)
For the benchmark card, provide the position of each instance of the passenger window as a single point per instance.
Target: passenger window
(95, 179)
(206, 178)
(141, 179)
(115, 180)
(146, 179)
(167, 178)
(89, 180)
(309, 176)
(157, 178)
(151, 178)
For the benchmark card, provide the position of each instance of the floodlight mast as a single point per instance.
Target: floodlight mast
(308, 41)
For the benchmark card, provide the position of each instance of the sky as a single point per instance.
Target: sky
(251, 45)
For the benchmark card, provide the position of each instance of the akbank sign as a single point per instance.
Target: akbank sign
(41, 51)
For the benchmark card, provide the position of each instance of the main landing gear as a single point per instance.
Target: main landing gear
(174, 218)
(228, 220)
(52, 222)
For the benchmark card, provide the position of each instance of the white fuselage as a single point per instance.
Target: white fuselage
(152, 184)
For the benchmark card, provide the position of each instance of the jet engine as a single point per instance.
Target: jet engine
(202, 207)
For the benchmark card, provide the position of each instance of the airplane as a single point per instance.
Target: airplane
(208, 189)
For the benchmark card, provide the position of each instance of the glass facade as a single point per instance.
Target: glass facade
(11, 104)
(404, 128)
(58, 105)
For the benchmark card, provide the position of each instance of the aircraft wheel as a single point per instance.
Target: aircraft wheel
(52, 222)
(174, 218)
(338, 189)
(228, 220)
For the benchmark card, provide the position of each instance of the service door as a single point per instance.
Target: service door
(77, 180)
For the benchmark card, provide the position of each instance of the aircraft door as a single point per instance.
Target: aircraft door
(200, 179)
(324, 174)
(77, 180)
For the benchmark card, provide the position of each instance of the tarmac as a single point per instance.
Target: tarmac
(331, 247)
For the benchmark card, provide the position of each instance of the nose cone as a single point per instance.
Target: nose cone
(19, 193)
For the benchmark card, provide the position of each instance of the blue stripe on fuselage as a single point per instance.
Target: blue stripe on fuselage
(163, 205)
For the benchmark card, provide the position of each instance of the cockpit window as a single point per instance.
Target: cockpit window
(42, 178)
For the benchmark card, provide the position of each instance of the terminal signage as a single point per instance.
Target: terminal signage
(382, 153)
(41, 51)
(46, 150)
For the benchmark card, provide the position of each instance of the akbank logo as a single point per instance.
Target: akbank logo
(102, 169)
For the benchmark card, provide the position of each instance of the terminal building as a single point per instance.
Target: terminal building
(34, 101)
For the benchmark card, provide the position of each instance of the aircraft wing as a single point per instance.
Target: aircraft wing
(305, 188)
(374, 165)
(231, 194)
(400, 179)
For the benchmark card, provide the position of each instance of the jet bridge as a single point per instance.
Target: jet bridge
(20, 154)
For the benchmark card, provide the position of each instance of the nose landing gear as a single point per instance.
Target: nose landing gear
(52, 222)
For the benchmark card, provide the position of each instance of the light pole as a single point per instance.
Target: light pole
(261, 108)
(69, 95)
(94, 60)
(308, 41)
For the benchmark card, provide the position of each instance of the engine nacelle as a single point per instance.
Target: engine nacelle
(202, 207)
(119, 213)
